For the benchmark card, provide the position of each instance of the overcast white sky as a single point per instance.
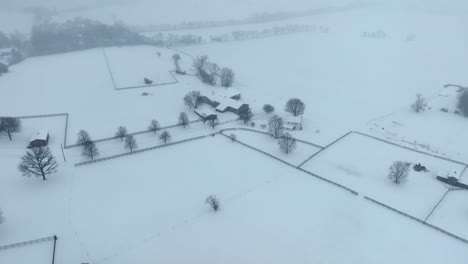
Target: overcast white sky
(452, 4)
(141, 12)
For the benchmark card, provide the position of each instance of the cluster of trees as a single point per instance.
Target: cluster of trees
(19, 45)
(3, 68)
(2, 218)
(173, 40)
(209, 72)
(286, 142)
(78, 34)
(10, 126)
(192, 99)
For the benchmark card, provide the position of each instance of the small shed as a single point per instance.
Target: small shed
(39, 139)
(293, 122)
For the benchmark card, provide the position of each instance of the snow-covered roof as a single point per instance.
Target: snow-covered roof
(228, 92)
(39, 135)
(227, 102)
(293, 119)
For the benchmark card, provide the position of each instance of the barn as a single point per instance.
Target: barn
(39, 139)
(206, 115)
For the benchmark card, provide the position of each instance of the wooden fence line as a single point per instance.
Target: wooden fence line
(29, 242)
(417, 220)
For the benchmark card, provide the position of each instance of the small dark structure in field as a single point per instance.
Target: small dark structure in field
(39, 139)
(452, 181)
(418, 167)
(148, 81)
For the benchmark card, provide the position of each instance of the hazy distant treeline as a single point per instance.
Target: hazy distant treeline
(253, 19)
(78, 34)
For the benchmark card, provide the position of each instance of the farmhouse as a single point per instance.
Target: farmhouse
(225, 100)
(230, 105)
(39, 139)
(293, 122)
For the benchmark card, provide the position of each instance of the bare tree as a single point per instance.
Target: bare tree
(83, 138)
(213, 202)
(287, 143)
(192, 99)
(419, 104)
(398, 172)
(246, 115)
(154, 126)
(130, 143)
(165, 136)
(121, 132)
(227, 77)
(213, 70)
(183, 119)
(10, 125)
(276, 125)
(176, 58)
(295, 107)
(213, 123)
(90, 150)
(268, 109)
(38, 162)
(2, 218)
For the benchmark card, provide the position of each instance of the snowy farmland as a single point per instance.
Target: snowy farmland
(362, 163)
(171, 215)
(149, 207)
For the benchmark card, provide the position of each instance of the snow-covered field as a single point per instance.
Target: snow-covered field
(129, 65)
(149, 207)
(362, 164)
(451, 213)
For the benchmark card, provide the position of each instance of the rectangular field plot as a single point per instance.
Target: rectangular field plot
(362, 164)
(40, 253)
(130, 65)
(270, 145)
(452, 213)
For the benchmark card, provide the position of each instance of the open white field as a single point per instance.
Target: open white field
(150, 207)
(130, 65)
(452, 213)
(432, 131)
(362, 164)
(40, 253)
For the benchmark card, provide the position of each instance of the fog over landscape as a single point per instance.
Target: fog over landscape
(233, 131)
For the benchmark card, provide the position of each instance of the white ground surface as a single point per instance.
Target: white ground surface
(125, 60)
(452, 213)
(362, 164)
(270, 145)
(40, 253)
(148, 208)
